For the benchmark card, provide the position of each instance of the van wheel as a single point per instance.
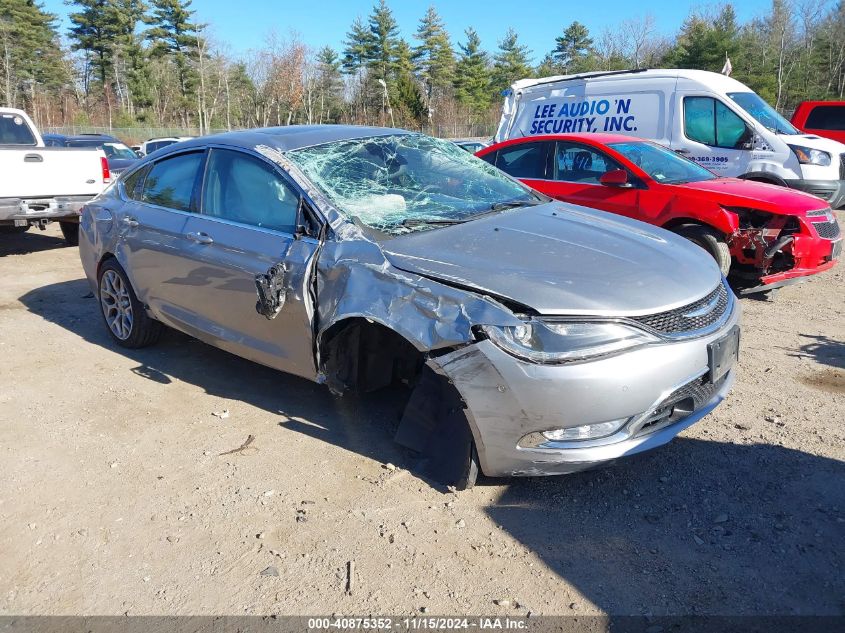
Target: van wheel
(126, 319)
(470, 475)
(711, 241)
(70, 231)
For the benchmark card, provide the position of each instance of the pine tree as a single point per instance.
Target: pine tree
(472, 74)
(29, 50)
(511, 62)
(329, 84)
(434, 59)
(409, 99)
(573, 48)
(356, 48)
(175, 37)
(548, 67)
(95, 28)
(384, 38)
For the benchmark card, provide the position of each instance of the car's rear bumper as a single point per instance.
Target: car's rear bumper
(35, 210)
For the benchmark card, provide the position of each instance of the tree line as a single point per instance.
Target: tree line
(126, 63)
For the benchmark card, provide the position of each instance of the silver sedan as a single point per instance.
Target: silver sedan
(532, 337)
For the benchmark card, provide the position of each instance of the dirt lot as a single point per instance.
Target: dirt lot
(115, 497)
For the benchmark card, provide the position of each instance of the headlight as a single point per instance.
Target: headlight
(809, 156)
(547, 342)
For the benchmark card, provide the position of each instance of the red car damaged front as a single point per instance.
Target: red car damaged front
(777, 234)
(761, 235)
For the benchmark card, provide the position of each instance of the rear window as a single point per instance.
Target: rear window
(826, 117)
(15, 131)
(157, 145)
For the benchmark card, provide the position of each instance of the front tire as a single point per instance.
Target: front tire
(126, 319)
(711, 241)
(70, 231)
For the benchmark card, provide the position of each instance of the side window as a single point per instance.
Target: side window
(579, 163)
(131, 184)
(170, 182)
(826, 117)
(711, 122)
(490, 157)
(242, 188)
(526, 160)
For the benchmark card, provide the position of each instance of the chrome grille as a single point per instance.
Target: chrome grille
(681, 403)
(679, 321)
(827, 230)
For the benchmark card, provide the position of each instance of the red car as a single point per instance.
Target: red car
(764, 236)
(823, 118)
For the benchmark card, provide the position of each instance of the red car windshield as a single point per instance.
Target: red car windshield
(662, 164)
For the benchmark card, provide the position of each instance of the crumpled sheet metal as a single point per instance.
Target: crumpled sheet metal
(355, 280)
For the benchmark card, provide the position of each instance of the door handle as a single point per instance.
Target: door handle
(200, 238)
(132, 223)
(682, 151)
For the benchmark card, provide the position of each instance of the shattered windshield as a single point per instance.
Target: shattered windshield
(408, 182)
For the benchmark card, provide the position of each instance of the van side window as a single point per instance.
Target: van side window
(525, 160)
(826, 117)
(579, 163)
(711, 122)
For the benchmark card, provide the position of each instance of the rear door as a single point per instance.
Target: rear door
(529, 161)
(249, 214)
(150, 226)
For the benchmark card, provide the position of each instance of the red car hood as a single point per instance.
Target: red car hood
(759, 195)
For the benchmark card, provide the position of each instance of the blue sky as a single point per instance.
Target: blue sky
(244, 24)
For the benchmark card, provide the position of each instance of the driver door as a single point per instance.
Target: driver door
(714, 136)
(247, 223)
(576, 170)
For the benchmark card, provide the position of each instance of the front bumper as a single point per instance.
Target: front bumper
(832, 191)
(508, 400)
(36, 210)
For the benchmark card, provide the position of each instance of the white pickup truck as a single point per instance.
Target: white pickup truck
(42, 184)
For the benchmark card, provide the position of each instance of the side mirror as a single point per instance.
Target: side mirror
(615, 178)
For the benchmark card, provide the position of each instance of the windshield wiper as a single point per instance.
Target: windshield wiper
(424, 221)
(513, 204)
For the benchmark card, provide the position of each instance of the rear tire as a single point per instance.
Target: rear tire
(711, 241)
(70, 231)
(126, 319)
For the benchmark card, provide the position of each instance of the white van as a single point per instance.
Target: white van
(716, 121)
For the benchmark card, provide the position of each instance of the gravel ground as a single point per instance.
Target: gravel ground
(117, 495)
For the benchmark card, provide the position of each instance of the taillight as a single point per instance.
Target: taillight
(104, 162)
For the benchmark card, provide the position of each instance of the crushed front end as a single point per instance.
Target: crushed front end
(772, 250)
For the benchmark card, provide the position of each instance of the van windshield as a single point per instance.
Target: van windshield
(662, 164)
(754, 105)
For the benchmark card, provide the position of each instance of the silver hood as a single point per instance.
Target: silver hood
(560, 258)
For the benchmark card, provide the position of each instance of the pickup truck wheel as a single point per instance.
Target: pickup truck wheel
(126, 319)
(711, 241)
(70, 231)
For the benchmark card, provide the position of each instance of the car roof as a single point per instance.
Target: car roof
(291, 137)
(593, 138)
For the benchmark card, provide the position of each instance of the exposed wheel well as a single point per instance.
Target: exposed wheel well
(103, 259)
(675, 223)
(767, 178)
(359, 355)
